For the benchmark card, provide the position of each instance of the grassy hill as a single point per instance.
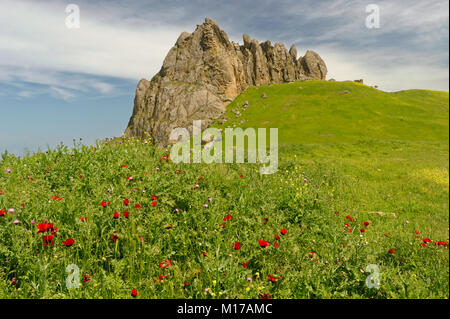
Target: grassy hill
(391, 150)
(320, 112)
(363, 180)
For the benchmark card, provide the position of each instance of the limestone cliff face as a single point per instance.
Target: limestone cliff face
(204, 72)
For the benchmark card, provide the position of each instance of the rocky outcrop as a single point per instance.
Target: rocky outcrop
(204, 72)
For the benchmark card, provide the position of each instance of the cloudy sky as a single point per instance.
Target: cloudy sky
(57, 84)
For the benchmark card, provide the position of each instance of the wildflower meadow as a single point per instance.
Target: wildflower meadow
(119, 219)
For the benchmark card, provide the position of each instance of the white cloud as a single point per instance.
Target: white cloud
(35, 35)
(421, 17)
(102, 87)
(117, 40)
(43, 79)
(37, 47)
(25, 94)
(61, 93)
(385, 68)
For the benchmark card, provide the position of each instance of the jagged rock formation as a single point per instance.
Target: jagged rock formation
(204, 72)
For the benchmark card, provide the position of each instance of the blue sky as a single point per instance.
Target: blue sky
(57, 84)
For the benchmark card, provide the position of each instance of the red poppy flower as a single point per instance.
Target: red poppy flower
(277, 237)
(87, 277)
(80, 176)
(126, 214)
(49, 227)
(349, 218)
(242, 175)
(56, 198)
(43, 227)
(366, 224)
(137, 206)
(266, 220)
(423, 245)
(154, 203)
(83, 219)
(347, 225)
(336, 212)
(237, 245)
(283, 231)
(114, 238)
(276, 244)
(124, 166)
(3, 212)
(178, 171)
(68, 242)
(311, 254)
(154, 198)
(272, 278)
(204, 253)
(48, 240)
(266, 296)
(168, 227)
(23, 204)
(245, 264)
(227, 218)
(350, 230)
(223, 225)
(134, 292)
(2, 191)
(104, 204)
(186, 283)
(427, 240)
(116, 215)
(165, 264)
(263, 243)
(160, 278)
(362, 230)
(126, 201)
(392, 251)
(417, 232)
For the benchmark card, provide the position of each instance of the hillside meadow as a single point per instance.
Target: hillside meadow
(357, 209)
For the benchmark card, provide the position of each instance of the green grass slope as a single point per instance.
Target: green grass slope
(362, 182)
(391, 150)
(343, 112)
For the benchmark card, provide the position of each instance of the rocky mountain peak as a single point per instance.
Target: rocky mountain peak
(204, 71)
